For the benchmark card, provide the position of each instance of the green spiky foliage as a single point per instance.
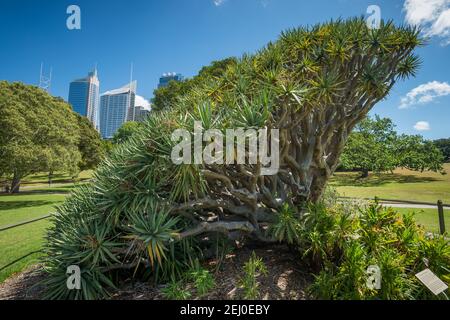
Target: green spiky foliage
(143, 215)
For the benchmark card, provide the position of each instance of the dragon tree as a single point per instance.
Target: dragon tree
(143, 214)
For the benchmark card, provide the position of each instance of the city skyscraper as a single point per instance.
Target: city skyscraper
(84, 97)
(167, 77)
(140, 114)
(116, 107)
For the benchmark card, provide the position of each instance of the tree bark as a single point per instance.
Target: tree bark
(364, 173)
(50, 178)
(15, 184)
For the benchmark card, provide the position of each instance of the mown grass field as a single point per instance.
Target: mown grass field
(37, 199)
(400, 185)
(428, 218)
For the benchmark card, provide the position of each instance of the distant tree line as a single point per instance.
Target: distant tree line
(444, 146)
(374, 145)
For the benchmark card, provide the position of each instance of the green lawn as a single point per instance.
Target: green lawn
(37, 199)
(428, 218)
(399, 185)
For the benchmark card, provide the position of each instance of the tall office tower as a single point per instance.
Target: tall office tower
(167, 77)
(84, 97)
(140, 114)
(116, 107)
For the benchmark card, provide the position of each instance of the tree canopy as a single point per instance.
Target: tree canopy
(375, 146)
(90, 145)
(38, 133)
(126, 131)
(444, 146)
(142, 213)
(169, 96)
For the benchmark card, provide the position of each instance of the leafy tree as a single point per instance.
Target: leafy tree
(168, 96)
(416, 153)
(375, 146)
(38, 133)
(90, 145)
(107, 146)
(144, 213)
(126, 131)
(444, 146)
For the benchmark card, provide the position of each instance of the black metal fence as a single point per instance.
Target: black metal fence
(13, 226)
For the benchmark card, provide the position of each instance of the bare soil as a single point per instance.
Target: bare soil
(285, 280)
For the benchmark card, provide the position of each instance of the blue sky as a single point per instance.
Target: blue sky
(184, 35)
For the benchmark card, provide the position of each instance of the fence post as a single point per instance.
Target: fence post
(441, 216)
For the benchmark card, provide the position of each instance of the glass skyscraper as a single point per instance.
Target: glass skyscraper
(116, 107)
(167, 77)
(84, 97)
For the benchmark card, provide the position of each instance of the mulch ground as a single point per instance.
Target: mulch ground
(285, 280)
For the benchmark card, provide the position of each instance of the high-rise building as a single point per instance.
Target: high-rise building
(140, 114)
(84, 97)
(116, 106)
(167, 77)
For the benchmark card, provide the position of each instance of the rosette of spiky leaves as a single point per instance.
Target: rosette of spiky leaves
(155, 229)
(286, 228)
(80, 238)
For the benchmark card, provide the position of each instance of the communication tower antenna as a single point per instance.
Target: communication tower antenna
(45, 82)
(133, 109)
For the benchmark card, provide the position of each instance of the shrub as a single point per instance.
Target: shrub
(376, 236)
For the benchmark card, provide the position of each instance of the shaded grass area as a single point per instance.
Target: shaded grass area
(27, 206)
(402, 184)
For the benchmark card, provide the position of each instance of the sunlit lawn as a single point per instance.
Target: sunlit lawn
(37, 199)
(428, 218)
(399, 185)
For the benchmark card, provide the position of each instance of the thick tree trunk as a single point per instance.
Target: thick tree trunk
(364, 173)
(50, 179)
(15, 184)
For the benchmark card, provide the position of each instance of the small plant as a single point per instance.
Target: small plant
(175, 291)
(286, 227)
(203, 280)
(252, 269)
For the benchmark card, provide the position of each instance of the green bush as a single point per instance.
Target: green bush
(339, 247)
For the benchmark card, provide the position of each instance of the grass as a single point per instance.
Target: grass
(37, 199)
(402, 184)
(428, 218)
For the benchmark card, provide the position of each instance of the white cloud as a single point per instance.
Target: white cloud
(218, 3)
(432, 15)
(142, 102)
(422, 126)
(425, 93)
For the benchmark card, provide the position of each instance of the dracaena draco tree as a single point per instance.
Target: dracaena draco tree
(143, 213)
